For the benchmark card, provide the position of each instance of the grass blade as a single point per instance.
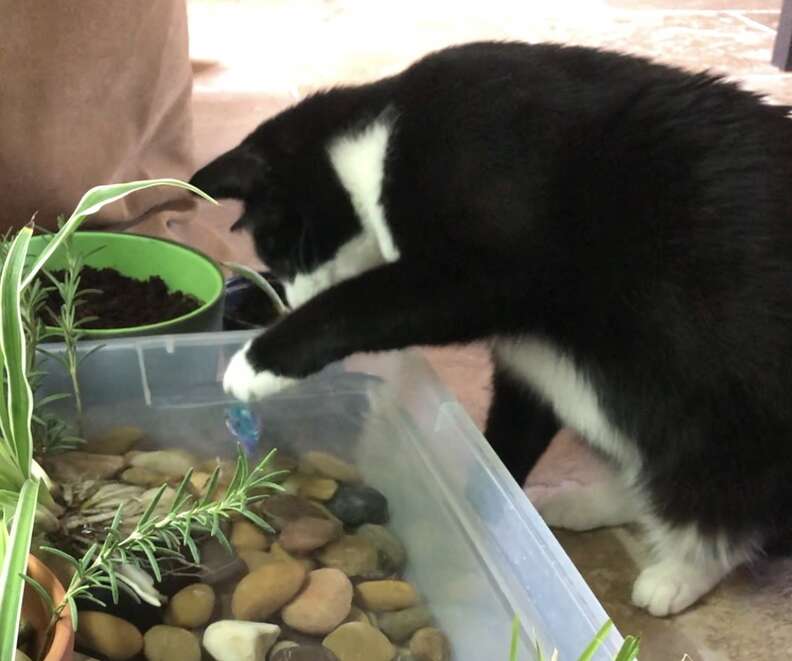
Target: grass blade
(596, 643)
(515, 636)
(629, 650)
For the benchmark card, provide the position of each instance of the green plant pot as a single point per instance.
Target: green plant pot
(183, 269)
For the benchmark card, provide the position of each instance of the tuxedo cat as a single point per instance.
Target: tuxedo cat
(619, 231)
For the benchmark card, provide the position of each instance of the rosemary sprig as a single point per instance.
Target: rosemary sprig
(121, 562)
(70, 327)
(51, 434)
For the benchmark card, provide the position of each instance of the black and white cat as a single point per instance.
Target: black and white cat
(620, 231)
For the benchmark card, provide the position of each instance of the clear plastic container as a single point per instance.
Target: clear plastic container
(478, 550)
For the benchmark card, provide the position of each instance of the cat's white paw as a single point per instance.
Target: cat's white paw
(244, 383)
(669, 587)
(584, 507)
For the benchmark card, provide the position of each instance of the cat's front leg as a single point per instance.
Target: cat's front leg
(390, 307)
(243, 382)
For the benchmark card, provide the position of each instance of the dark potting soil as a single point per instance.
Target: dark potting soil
(124, 301)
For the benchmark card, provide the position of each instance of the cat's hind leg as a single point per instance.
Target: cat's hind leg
(685, 565)
(519, 425)
(586, 506)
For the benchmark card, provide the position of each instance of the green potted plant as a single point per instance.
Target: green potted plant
(141, 285)
(26, 505)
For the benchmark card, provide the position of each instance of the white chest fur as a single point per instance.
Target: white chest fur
(555, 378)
(359, 161)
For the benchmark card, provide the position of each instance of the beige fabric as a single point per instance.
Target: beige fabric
(92, 92)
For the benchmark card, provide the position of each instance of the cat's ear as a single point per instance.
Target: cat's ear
(235, 174)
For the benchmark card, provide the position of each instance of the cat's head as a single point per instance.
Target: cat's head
(298, 191)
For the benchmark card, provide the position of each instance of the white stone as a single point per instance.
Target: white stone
(233, 640)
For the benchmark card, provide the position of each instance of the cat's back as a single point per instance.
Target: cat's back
(576, 130)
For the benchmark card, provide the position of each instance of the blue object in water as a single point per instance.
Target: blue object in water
(243, 425)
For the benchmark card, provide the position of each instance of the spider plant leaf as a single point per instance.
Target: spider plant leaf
(261, 282)
(16, 411)
(13, 566)
(94, 200)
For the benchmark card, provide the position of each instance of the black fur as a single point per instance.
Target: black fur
(638, 216)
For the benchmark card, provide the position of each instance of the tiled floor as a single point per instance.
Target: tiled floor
(254, 57)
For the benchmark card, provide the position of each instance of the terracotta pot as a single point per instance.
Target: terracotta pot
(61, 646)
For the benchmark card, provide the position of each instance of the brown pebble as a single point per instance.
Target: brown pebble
(266, 590)
(255, 559)
(80, 466)
(164, 643)
(317, 488)
(308, 534)
(198, 482)
(117, 440)
(282, 508)
(353, 555)
(357, 615)
(330, 466)
(356, 641)
(323, 603)
(400, 625)
(304, 653)
(191, 607)
(108, 635)
(386, 595)
(246, 535)
(430, 644)
(143, 477)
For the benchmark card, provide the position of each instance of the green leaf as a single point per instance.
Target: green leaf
(180, 495)
(261, 282)
(255, 518)
(14, 566)
(49, 399)
(210, 487)
(515, 637)
(595, 644)
(629, 649)
(61, 554)
(73, 611)
(16, 414)
(147, 551)
(112, 579)
(151, 507)
(93, 201)
(196, 556)
(88, 557)
(42, 591)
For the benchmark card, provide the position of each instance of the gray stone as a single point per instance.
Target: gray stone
(400, 625)
(393, 555)
(356, 504)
